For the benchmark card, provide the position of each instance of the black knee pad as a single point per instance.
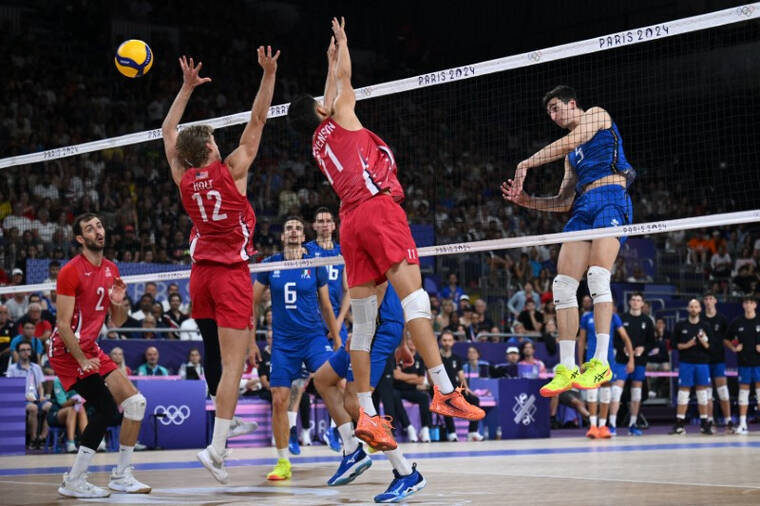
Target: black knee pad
(106, 413)
(212, 357)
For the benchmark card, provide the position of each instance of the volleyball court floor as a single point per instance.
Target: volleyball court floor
(657, 469)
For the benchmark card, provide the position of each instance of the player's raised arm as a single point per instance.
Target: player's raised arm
(562, 202)
(240, 160)
(117, 310)
(190, 79)
(345, 101)
(331, 90)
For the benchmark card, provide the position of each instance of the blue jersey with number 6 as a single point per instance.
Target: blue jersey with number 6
(295, 303)
(334, 272)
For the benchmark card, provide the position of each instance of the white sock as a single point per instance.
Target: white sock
(613, 420)
(681, 417)
(365, 402)
(346, 432)
(125, 457)
(82, 462)
(567, 353)
(703, 417)
(441, 379)
(282, 453)
(592, 420)
(292, 416)
(743, 421)
(221, 431)
(602, 422)
(633, 420)
(398, 462)
(602, 347)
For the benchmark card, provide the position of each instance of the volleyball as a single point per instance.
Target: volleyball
(133, 58)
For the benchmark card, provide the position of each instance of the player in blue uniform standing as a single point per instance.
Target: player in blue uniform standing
(298, 297)
(323, 245)
(388, 336)
(593, 188)
(588, 340)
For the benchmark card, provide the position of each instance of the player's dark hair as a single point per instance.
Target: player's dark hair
(562, 92)
(302, 115)
(709, 293)
(294, 218)
(636, 294)
(77, 226)
(323, 209)
(749, 298)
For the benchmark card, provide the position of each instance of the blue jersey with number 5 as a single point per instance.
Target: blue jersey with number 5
(334, 272)
(295, 303)
(601, 156)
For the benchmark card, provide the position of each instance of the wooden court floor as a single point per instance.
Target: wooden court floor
(657, 469)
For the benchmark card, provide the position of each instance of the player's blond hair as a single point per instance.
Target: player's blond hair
(191, 145)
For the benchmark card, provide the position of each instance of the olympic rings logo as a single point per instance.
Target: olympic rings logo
(172, 414)
(745, 10)
(535, 56)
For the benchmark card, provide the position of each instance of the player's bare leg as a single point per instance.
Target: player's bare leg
(604, 411)
(572, 263)
(592, 401)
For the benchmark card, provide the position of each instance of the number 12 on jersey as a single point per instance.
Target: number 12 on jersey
(213, 194)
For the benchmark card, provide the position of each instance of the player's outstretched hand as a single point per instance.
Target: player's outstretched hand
(118, 291)
(89, 364)
(332, 52)
(266, 60)
(339, 29)
(191, 71)
(510, 193)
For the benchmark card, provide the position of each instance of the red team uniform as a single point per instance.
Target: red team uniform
(220, 245)
(90, 285)
(374, 230)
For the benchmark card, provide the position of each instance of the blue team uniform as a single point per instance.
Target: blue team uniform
(335, 280)
(298, 335)
(609, 205)
(587, 323)
(387, 338)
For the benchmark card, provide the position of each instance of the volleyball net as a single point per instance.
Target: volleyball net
(683, 94)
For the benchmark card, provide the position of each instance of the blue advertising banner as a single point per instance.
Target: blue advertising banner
(178, 411)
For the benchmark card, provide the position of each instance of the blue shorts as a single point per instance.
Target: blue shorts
(718, 370)
(606, 206)
(749, 374)
(287, 361)
(619, 374)
(387, 339)
(343, 333)
(690, 375)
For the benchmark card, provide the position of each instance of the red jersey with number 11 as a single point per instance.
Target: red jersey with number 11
(223, 218)
(89, 285)
(357, 163)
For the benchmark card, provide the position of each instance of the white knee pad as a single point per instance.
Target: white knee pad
(743, 397)
(134, 407)
(592, 395)
(683, 397)
(416, 305)
(617, 393)
(605, 394)
(599, 284)
(364, 312)
(702, 397)
(565, 290)
(757, 395)
(709, 395)
(723, 393)
(636, 394)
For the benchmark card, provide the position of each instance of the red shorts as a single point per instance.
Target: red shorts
(68, 371)
(374, 237)
(223, 293)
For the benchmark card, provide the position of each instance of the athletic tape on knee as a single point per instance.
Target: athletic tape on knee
(617, 393)
(364, 312)
(134, 407)
(565, 290)
(683, 397)
(702, 397)
(605, 394)
(592, 395)
(723, 393)
(599, 284)
(743, 397)
(635, 394)
(416, 305)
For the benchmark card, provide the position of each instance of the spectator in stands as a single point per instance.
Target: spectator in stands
(745, 258)
(43, 227)
(17, 219)
(42, 328)
(549, 336)
(639, 276)
(44, 305)
(410, 383)
(151, 367)
(517, 303)
(508, 369)
(148, 322)
(454, 325)
(19, 303)
(543, 283)
(700, 249)
(7, 333)
(67, 411)
(532, 319)
(619, 270)
(530, 366)
(27, 334)
(145, 306)
(475, 367)
(745, 281)
(189, 324)
(193, 368)
(522, 269)
(484, 321)
(720, 263)
(174, 317)
(464, 303)
(117, 355)
(452, 291)
(35, 399)
(453, 364)
(658, 359)
(444, 318)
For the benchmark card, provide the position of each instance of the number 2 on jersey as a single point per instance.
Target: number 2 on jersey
(213, 194)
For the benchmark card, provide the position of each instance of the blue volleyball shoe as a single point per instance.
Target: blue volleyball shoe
(351, 466)
(402, 486)
(332, 439)
(293, 446)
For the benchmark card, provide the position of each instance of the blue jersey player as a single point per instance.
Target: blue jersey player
(388, 337)
(324, 246)
(593, 189)
(298, 297)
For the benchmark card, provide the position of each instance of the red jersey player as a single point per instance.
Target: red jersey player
(88, 287)
(375, 237)
(214, 195)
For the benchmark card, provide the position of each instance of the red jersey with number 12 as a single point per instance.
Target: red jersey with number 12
(89, 285)
(223, 218)
(357, 163)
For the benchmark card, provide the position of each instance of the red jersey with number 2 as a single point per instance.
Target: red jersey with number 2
(223, 218)
(357, 163)
(89, 285)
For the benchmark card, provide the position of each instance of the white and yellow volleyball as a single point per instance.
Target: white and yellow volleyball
(133, 58)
